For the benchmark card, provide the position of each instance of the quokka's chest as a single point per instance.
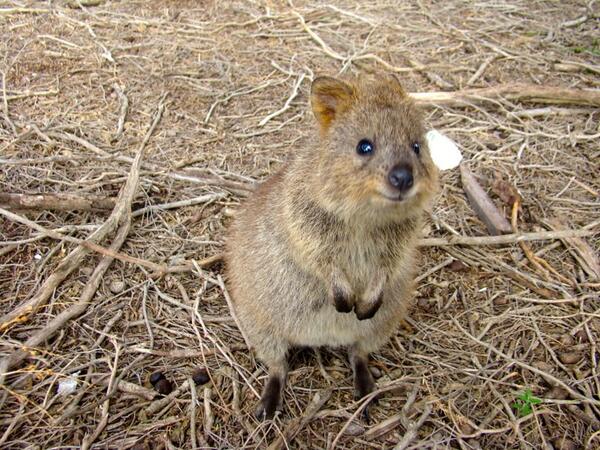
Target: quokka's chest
(360, 256)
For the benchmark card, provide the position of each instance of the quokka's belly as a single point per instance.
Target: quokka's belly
(328, 327)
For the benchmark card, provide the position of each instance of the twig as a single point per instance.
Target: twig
(57, 202)
(74, 259)
(209, 418)
(505, 239)
(73, 311)
(296, 424)
(160, 403)
(539, 263)
(123, 108)
(88, 440)
(179, 204)
(287, 103)
(193, 401)
(128, 388)
(184, 353)
(315, 37)
(546, 375)
(413, 428)
(482, 204)
(516, 92)
(484, 65)
(83, 243)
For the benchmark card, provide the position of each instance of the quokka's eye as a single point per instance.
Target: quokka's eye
(416, 148)
(365, 147)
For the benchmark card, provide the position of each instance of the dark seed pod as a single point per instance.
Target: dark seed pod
(156, 377)
(200, 376)
(163, 386)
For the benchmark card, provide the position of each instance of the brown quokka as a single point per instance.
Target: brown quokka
(323, 253)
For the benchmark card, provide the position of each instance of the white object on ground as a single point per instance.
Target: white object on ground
(444, 152)
(68, 386)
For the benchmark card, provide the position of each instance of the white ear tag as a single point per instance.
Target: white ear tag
(444, 152)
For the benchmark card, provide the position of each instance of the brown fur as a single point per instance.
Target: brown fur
(320, 254)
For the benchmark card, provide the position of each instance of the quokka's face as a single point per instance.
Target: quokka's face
(376, 156)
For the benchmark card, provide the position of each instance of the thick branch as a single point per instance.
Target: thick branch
(526, 93)
(57, 202)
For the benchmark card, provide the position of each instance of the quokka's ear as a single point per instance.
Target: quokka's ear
(395, 84)
(329, 98)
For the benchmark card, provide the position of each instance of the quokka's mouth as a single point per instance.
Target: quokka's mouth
(398, 197)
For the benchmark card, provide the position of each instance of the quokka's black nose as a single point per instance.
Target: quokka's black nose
(401, 178)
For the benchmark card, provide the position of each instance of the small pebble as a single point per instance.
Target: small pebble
(500, 301)
(375, 372)
(156, 377)
(87, 271)
(200, 376)
(567, 340)
(116, 286)
(569, 357)
(424, 304)
(564, 444)
(355, 429)
(163, 387)
(141, 446)
(557, 393)
(458, 266)
(581, 336)
(543, 365)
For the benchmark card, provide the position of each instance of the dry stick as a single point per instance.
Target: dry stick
(74, 259)
(83, 243)
(541, 264)
(287, 103)
(127, 387)
(296, 425)
(160, 403)
(122, 210)
(183, 175)
(178, 204)
(413, 428)
(505, 239)
(56, 202)
(184, 353)
(482, 204)
(209, 418)
(73, 311)
(193, 413)
(401, 418)
(484, 65)
(581, 251)
(546, 375)
(122, 112)
(516, 92)
(88, 440)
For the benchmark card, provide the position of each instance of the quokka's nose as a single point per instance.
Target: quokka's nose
(401, 178)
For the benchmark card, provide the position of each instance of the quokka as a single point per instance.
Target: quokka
(324, 252)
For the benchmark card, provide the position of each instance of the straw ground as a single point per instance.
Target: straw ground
(131, 131)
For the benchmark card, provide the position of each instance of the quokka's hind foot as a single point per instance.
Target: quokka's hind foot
(271, 399)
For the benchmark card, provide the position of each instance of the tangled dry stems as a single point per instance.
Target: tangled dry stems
(190, 106)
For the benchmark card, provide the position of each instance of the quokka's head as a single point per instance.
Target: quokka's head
(373, 157)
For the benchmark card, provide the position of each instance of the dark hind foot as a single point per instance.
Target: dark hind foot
(270, 400)
(364, 384)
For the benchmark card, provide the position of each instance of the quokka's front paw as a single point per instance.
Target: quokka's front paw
(342, 301)
(366, 309)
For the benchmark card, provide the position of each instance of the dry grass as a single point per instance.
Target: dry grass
(236, 76)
